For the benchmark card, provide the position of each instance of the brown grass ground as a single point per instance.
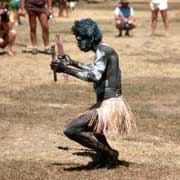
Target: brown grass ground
(34, 109)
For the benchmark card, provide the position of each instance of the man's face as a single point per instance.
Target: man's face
(125, 4)
(84, 43)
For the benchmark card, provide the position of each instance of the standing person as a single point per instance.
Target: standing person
(15, 6)
(38, 9)
(156, 6)
(110, 112)
(7, 33)
(123, 15)
(63, 7)
(72, 5)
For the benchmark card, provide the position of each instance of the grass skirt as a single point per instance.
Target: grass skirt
(115, 117)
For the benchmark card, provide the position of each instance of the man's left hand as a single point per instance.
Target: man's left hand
(57, 66)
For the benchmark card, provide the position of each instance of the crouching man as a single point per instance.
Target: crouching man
(7, 33)
(109, 114)
(124, 20)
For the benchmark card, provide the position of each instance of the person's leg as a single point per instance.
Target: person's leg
(154, 17)
(119, 27)
(61, 7)
(1, 42)
(11, 40)
(66, 8)
(133, 25)
(33, 24)
(103, 156)
(164, 16)
(101, 137)
(19, 19)
(43, 19)
(79, 131)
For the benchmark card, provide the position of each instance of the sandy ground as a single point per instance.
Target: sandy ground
(34, 109)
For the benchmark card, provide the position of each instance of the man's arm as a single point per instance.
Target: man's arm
(74, 63)
(23, 11)
(87, 67)
(119, 16)
(90, 76)
(49, 5)
(93, 73)
(22, 4)
(131, 15)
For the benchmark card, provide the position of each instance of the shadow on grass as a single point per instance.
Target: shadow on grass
(30, 52)
(90, 165)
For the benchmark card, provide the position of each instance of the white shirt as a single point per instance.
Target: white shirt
(158, 1)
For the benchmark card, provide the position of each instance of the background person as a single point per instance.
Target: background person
(38, 9)
(63, 8)
(72, 5)
(123, 15)
(15, 6)
(156, 6)
(7, 33)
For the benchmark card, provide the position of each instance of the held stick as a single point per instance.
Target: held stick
(59, 43)
(53, 52)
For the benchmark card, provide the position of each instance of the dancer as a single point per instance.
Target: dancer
(110, 113)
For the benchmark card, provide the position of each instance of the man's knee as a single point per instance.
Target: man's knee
(69, 131)
(1, 41)
(119, 25)
(133, 26)
(12, 32)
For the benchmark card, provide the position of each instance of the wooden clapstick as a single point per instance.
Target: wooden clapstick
(53, 52)
(59, 43)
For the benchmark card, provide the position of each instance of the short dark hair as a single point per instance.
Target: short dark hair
(87, 28)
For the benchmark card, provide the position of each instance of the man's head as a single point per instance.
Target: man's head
(87, 33)
(124, 3)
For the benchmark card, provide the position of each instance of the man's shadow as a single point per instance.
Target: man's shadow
(89, 166)
(38, 51)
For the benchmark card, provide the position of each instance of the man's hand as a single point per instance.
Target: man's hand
(57, 66)
(65, 59)
(22, 12)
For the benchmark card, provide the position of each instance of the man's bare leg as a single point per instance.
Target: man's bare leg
(11, 40)
(164, 16)
(154, 20)
(79, 131)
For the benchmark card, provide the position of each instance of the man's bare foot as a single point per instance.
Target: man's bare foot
(150, 34)
(166, 34)
(10, 52)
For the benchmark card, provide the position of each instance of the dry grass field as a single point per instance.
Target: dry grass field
(34, 108)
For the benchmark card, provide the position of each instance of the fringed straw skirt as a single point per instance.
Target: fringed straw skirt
(115, 117)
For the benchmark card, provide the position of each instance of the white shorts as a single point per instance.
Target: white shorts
(163, 5)
(72, 4)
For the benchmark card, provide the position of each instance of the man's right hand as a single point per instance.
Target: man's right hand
(22, 12)
(57, 66)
